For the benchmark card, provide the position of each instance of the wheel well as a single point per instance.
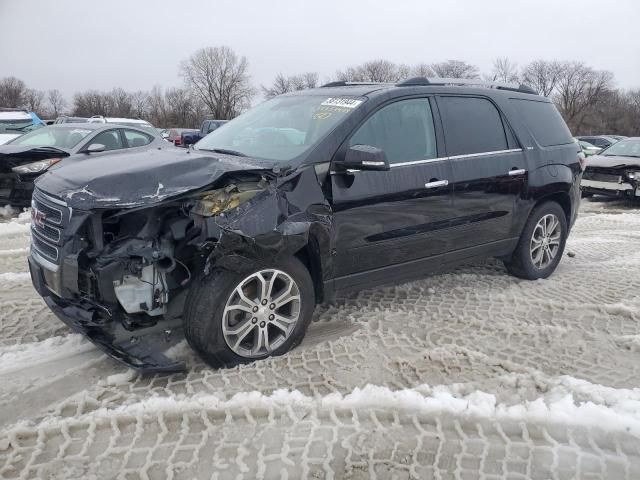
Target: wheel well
(562, 199)
(310, 257)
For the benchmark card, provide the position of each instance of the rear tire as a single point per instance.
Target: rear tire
(225, 302)
(541, 243)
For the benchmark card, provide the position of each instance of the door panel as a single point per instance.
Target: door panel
(488, 169)
(385, 218)
(486, 194)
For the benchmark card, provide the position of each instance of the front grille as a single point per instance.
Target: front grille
(49, 217)
(602, 177)
(52, 212)
(48, 251)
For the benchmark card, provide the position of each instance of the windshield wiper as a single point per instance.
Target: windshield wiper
(49, 148)
(18, 129)
(224, 151)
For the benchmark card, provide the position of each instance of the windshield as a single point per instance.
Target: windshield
(61, 137)
(623, 148)
(281, 129)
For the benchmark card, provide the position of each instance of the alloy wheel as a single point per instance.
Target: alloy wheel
(545, 241)
(261, 313)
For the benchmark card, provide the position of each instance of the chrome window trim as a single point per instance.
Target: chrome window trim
(454, 157)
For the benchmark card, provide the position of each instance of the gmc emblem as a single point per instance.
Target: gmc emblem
(38, 217)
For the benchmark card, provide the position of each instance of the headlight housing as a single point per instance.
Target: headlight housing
(35, 167)
(633, 175)
(214, 202)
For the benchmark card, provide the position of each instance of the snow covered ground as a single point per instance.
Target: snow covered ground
(471, 374)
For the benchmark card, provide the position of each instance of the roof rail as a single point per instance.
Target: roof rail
(415, 81)
(342, 83)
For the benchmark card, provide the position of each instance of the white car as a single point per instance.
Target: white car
(14, 123)
(132, 122)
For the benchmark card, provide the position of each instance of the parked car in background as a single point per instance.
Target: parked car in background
(304, 196)
(206, 128)
(68, 119)
(615, 171)
(598, 141)
(15, 122)
(175, 135)
(132, 122)
(27, 157)
(587, 148)
(617, 137)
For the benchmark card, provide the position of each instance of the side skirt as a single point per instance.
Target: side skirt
(415, 269)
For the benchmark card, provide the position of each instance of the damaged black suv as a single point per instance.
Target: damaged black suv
(307, 195)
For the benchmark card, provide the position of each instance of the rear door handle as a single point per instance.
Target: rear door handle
(517, 171)
(436, 184)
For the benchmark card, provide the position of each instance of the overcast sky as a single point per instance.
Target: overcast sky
(135, 44)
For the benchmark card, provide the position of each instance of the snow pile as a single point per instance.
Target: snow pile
(14, 277)
(14, 252)
(569, 401)
(17, 357)
(8, 211)
(13, 227)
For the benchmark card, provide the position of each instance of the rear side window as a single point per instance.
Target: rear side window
(544, 122)
(471, 125)
(137, 139)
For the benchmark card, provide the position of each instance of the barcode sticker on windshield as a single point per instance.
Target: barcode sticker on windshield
(341, 102)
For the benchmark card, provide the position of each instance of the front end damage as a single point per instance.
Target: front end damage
(121, 275)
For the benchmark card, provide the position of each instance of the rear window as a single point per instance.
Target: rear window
(544, 122)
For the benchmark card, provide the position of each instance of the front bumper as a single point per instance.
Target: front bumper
(609, 188)
(140, 349)
(14, 190)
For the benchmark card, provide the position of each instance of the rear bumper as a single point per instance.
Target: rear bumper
(140, 349)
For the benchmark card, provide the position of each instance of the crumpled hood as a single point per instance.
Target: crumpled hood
(13, 155)
(602, 161)
(131, 179)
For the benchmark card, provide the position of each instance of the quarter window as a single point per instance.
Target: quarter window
(110, 139)
(471, 125)
(136, 139)
(404, 130)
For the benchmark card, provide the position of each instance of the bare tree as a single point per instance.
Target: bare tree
(220, 78)
(34, 100)
(57, 103)
(91, 102)
(373, 71)
(579, 89)
(157, 107)
(455, 69)
(422, 70)
(282, 84)
(505, 70)
(12, 92)
(542, 76)
(139, 103)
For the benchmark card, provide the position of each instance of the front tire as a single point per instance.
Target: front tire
(541, 243)
(233, 318)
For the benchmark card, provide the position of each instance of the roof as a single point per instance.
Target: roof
(419, 84)
(15, 115)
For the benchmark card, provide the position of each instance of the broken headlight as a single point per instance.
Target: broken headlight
(35, 167)
(214, 202)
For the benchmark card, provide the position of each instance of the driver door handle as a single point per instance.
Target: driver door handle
(517, 171)
(436, 184)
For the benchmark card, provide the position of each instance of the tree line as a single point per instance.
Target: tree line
(216, 83)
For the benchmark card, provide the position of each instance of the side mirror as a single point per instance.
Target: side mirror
(95, 148)
(365, 157)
